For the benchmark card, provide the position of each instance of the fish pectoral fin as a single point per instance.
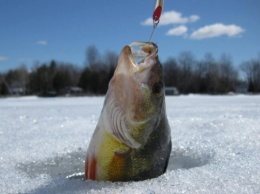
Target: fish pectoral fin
(123, 153)
(90, 168)
(119, 166)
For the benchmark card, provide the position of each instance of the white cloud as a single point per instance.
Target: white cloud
(172, 17)
(3, 58)
(194, 18)
(178, 31)
(42, 42)
(216, 30)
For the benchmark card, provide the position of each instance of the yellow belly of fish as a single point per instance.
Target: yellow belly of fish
(111, 164)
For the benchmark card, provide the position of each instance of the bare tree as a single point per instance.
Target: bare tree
(228, 75)
(171, 72)
(186, 61)
(252, 72)
(111, 59)
(17, 80)
(92, 57)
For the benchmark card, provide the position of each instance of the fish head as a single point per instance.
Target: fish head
(137, 90)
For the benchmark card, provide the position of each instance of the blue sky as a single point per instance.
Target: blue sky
(41, 30)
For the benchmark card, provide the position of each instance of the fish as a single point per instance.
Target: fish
(132, 139)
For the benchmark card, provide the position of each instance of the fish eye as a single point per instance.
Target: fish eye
(157, 88)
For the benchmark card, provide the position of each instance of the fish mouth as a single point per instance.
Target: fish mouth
(137, 57)
(143, 52)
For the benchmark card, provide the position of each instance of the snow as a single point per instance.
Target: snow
(216, 146)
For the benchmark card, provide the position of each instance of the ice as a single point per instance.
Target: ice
(216, 146)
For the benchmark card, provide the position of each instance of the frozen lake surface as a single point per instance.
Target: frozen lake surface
(216, 146)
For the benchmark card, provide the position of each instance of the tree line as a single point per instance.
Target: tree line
(207, 76)
(188, 74)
